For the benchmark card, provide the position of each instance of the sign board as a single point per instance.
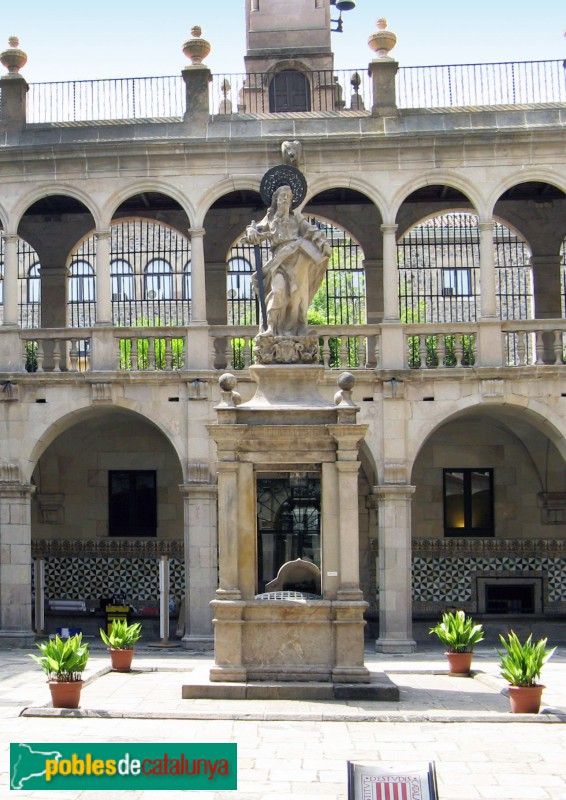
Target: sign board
(371, 782)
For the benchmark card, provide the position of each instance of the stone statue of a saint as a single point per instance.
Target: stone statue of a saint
(293, 274)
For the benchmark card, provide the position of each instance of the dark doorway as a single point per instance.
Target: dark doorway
(289, 91)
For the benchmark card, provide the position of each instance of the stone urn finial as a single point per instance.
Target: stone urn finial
(382, 41)
(196, 48)
(13, 59)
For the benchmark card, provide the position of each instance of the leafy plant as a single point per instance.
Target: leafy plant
(522, 662)
(63, 660)
(458, 632)
(122, 636)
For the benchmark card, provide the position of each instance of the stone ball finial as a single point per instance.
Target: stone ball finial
(196, 48)
(13, 59)
(382, 41)
(227, 382)
(346, 381)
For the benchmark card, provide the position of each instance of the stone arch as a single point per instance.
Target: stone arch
(73, 416)
(540, 417)
(441, 178)
(56, 189)
(117, 199)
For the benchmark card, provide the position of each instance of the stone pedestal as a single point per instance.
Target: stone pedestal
(288, 426)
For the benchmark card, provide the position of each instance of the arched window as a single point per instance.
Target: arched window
(242, 302)
(158, 280)
(33, 293)
(289, 90)
(439, 262)
(187, 281)
(81, 282)
(122, 279)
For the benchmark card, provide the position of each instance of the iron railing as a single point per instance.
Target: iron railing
(495, 84)
(106, 99)
(440, 86)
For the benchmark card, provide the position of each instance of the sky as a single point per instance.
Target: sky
(69, 40)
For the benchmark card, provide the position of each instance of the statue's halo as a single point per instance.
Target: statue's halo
(283, 175)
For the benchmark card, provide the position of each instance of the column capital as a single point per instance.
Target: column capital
(486, 225)
(394, 491)
(103, 233)
(388, 229)
(9, 237)
(197, 232)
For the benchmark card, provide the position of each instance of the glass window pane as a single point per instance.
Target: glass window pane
(454, 493)
(481, 499)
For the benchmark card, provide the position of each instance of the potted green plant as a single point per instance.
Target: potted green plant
(459, 634)
(64, 661)
(521, 664)
(120, 642)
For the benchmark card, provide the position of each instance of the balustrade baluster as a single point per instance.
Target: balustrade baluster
(57, 354)
(441, 350)
(74, 355)
(343, 352)
(539, 345)
(229, 359)
(459, 350)
(377, 352)
(423, 352)
(521, 347)
(168, 353)
(40, 355)
(134, 351)
(362, 350)
(558, 348)
(151, 354)
(326, 351)
(247, 352)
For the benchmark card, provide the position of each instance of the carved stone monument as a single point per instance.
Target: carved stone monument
(291, 449)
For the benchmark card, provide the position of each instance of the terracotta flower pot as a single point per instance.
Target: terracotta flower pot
(525, 699)
(65, 694)
(459, 664)
(121, 660)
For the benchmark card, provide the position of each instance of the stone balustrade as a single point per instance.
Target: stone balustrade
(524, 343)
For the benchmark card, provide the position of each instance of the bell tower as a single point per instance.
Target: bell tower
(287, 34)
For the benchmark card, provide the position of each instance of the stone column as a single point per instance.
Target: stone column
(395, 600)
(103, 281)
(390, 274)
(15, 564)
(10, 279)
(199, 504)
(487, 271)
(198, 277)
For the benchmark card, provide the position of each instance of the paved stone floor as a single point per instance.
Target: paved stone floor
(299, 749)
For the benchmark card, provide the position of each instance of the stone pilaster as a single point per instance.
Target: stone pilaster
(395, 601)
(199, 505)
(15, 561)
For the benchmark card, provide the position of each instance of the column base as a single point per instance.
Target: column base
(199, 643)
(17, 639)
(395, 646)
